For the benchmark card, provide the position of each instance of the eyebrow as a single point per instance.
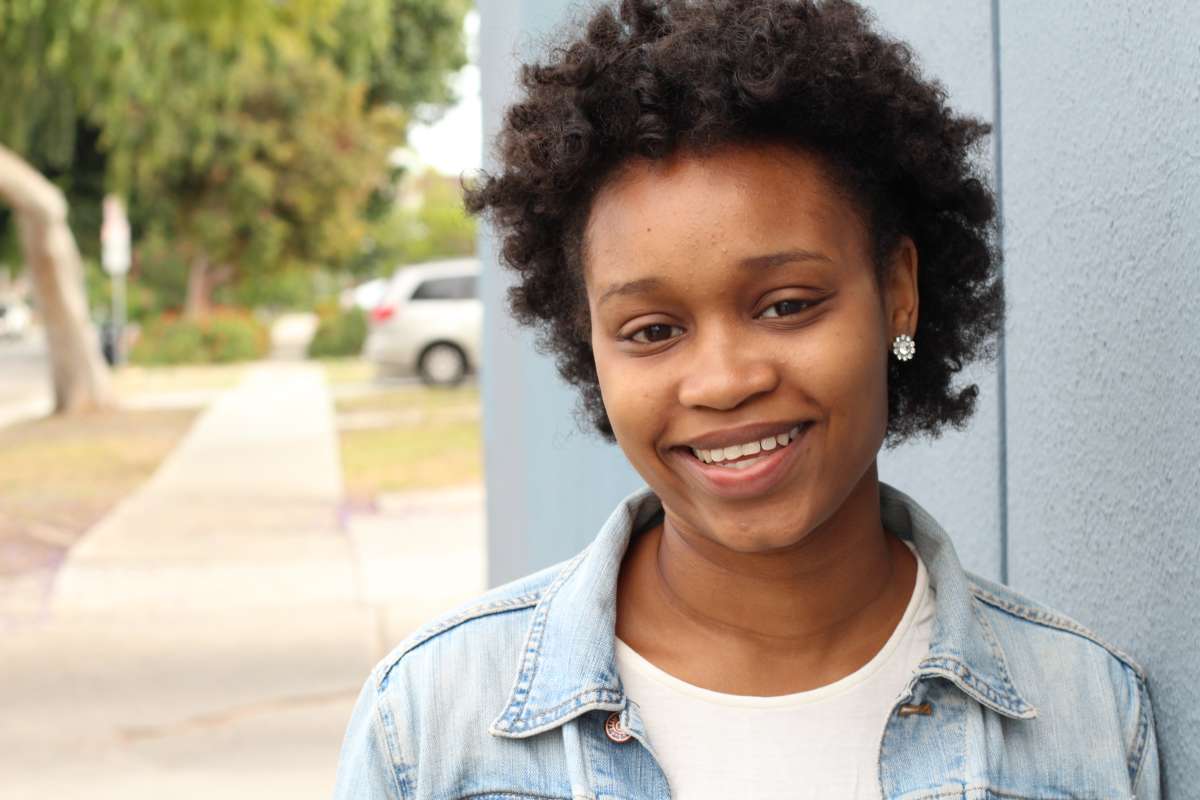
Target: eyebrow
(643, 285)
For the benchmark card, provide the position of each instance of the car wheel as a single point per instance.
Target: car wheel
(442, 364)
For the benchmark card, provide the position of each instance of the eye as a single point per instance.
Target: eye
(786, 308)
(652, 334)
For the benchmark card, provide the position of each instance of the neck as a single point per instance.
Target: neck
(835, 585)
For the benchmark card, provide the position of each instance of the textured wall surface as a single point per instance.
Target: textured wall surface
(955, 477)
(550, 485)
(1101, 132)
(1097, 421)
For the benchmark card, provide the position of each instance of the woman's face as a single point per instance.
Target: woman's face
(741, 338)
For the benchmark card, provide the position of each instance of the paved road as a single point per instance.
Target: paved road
(208, 638)
(24, 378)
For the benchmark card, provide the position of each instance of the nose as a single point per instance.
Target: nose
(727, 370)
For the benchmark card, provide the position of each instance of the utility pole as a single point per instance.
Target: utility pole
(115, 258)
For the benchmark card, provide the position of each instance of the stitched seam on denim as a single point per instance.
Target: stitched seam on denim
(528, 669)
(954, 668)
(1051, 620)
(1137, 758)
(475, 612)
(574, 707)
(988, 792)
(387, 725)
(514, 795)
(576, 701)
(1010, 688)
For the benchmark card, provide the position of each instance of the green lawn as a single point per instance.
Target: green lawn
(61, 475)
(410, 437)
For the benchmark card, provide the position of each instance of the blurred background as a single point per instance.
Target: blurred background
(256, 369)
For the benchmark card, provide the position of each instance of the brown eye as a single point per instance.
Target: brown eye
(652, 334)
(785, 308)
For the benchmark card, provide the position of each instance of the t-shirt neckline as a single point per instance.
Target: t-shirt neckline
(630, 657)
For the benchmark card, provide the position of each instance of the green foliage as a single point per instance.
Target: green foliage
(223, 337)
(404, 50)
(230, 337)
(278, 290)
(437, 228)
(142, 302)
(169, 341)
(248, 136)
(340, 333)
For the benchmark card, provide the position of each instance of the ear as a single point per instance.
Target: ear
(901, 298)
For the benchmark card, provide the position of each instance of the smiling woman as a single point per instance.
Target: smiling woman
(756, 240)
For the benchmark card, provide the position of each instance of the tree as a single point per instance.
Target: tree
(79, 376)
(250, 133)
(437, 227)
(44, 55)
(277, 179)
(300, 111)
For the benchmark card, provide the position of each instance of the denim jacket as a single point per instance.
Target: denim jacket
(517, 696)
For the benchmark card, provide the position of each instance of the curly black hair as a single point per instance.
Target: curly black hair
(654, 77)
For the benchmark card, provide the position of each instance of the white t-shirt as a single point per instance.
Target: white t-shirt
(823, 743)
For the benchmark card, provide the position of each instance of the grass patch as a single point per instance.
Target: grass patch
(431, 403)
(345, 371)
(61, 475)
(131, 379)
(410, 437)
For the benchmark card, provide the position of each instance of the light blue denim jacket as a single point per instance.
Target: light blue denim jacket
(509, 697)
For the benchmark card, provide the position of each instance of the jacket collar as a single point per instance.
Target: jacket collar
(568, 665)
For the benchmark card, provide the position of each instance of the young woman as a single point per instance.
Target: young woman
(757, 241)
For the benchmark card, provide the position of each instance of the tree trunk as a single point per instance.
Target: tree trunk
(199, 293)
(80, 376)
(203, 279)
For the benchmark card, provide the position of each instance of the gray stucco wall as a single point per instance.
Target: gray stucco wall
(1077, 480)
(1101, 152)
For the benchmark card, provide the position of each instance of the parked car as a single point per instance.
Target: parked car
(428, 321)
(15, 319)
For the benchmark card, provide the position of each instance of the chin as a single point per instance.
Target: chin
(747, 535)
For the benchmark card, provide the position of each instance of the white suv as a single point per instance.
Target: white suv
(428, 321)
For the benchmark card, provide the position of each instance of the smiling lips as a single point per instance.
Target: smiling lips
(741, 456)
(743, 471)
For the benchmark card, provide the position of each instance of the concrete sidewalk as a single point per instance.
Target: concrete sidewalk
(209, 636)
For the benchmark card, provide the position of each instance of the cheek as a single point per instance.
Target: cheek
(629, 397)
(843, 369)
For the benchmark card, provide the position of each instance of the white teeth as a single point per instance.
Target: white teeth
(732, 452)
(749, 462)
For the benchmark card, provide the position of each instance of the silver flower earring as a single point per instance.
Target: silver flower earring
(903, 347)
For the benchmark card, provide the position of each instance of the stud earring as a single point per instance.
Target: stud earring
(903, 347)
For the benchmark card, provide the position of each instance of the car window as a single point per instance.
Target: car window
(458, 288)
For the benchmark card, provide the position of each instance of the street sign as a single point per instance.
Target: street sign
(114, 237)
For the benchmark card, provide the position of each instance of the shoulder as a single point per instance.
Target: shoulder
(1006, 608)
(1066, 670)
(496, 621)
(437, 693)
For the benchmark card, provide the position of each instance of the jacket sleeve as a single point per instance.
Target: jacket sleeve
(1143, 748)
(366, 769)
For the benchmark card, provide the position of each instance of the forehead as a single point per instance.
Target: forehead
(728, 205)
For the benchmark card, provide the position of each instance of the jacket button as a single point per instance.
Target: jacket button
(614, 730)
(909, 709)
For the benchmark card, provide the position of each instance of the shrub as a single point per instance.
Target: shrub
(232, 337)
(340, 333)
(220, 338)
(169, 341)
